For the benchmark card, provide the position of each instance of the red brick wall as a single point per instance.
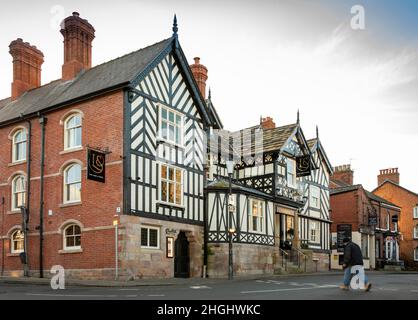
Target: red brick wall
(344, 208)
(407, 201)
(102, 127)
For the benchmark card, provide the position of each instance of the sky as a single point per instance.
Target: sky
(267, 58)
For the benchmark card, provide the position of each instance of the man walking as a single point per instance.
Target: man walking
(352, 257)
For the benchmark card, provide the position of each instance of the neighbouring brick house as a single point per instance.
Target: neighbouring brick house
(390, 189)
(109, 163)
(372, 221)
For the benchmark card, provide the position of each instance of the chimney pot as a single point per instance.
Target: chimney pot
(78, 35)
(391, 174)
(200, 73)
(27, 62)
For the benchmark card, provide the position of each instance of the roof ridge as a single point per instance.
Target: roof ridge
(127, 54)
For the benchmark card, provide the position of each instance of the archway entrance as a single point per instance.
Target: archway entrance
(181, 257)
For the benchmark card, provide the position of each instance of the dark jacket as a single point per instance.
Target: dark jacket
(352, 255)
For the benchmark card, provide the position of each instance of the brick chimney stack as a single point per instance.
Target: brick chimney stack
(267, 123)
(78, 35)
(391, 174)
(200, 73)
(27, 62)
(344, 173)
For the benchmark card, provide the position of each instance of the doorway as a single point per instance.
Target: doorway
(181, 257)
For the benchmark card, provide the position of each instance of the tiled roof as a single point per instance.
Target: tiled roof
(108, 75)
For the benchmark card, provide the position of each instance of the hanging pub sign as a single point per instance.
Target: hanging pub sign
(343, 231)
(96, 163)
(303, 166)
(372, 217)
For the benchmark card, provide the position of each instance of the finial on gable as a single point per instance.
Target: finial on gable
(298, 119)
(317, 132)
(175, 28)
(209, 94)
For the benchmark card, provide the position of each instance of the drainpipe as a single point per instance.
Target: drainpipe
(28, 192)
(42, 121)
(2, 235)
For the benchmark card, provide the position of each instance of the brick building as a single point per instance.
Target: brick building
(390, 189)
(371, 219)
(104, 171)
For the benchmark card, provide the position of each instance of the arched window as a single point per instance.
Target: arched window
(72, 237)
(19, 146)
(17, 242)
(18, 192)
(72, 183)
(72, 131)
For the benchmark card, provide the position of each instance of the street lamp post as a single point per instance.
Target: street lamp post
(231, 209)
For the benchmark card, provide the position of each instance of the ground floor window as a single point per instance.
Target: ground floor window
(17, 242)
(256, 216)
(72, 237)
(314, 233)
(150, 237)
(416, 254)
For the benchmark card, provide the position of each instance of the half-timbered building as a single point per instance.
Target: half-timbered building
(271, 209)
(119, 170)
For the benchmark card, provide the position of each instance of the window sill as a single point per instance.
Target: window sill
(13, 254)
(12, 164)
(163, 142)
(70, 204)
(150, 249)
(14, 212)
(170, 205)
(70, 251)
(71, 150)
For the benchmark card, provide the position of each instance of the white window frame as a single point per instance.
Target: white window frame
(415, 232)
(315, 193)
(12, 242)
(68, 129)
(179, 126)
(15, 144)
(317, 229)
(293, 173)
(66, 185)
(148, 237)
(261, 218)
(74, 235)
(416, 254)
(415, 212)
(23, 192)
(167, 181)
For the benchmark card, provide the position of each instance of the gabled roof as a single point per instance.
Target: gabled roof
(396, 185)
(315, 144)
(379, 199)
(368, 193)
(114, 74)
(273, 139)
(344, 189)
(111, 74)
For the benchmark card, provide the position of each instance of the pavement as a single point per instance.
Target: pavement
(322, 286)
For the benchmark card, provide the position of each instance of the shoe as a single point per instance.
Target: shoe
(368, 287)
(344, 287)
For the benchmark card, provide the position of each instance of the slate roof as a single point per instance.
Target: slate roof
(273, 139)
(369, 194)
(111, 74)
